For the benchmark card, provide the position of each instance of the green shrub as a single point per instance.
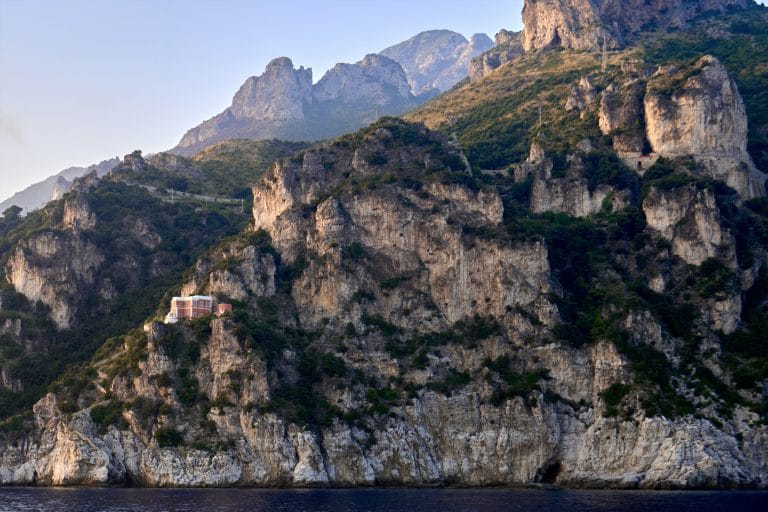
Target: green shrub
(613, 396)
(188, 392)
(453, 381)
(168, 437)
(377, 321)
(354, 251)
(377, 158)
(333, 365)
(106, 414)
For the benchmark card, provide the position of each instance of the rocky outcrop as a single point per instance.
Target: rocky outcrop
(590, 24)
(422, 245)
(56, 266)
(78, 214)
(689, 218)
(699, 112)
(571, 193)
(371, 80)
(621, 116)
(237, 271)
(508, 46)
(437, 59)
(277, 95)
(582, 96)
(574, 24)
(52, 267)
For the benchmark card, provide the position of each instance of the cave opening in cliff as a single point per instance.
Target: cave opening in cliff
(549, 473)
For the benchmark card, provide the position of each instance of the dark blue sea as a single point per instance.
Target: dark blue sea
(371, 500)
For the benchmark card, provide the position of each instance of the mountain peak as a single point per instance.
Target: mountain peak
(481, 39)
(373, 78)
(437, 59)
(278, 94)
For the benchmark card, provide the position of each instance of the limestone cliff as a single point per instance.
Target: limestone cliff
(699, 112)
(689, 218)
(388, 329)
(508, 46)
(572, 192)
(591, 24)
(55, 267)
(372, 80)
(278, 95)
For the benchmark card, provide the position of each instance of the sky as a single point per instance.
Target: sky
(86, 80)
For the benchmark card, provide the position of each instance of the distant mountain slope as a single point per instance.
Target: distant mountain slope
(437, 58)
(37, 195)
(282, 103)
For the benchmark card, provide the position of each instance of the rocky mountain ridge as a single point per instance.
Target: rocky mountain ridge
(437, 59)
(283, 103)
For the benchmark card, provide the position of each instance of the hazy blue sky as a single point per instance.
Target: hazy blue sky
(86, 80)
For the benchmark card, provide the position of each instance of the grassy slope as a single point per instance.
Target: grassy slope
(496, 118)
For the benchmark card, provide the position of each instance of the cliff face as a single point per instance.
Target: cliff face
(416, 246)
(377, 285)
(508, 46)
(437, 58)
(399, 318)
(589, 24)
(38, 271)
(690, 219)
(699, 112)
(277, 95)
(57, 267)
(373, 80)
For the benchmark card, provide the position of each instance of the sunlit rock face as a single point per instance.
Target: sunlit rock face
(699, 112)
(590, 24)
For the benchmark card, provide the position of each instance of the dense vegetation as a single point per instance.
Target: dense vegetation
(602, 265)
(140, 274)
(225, 170)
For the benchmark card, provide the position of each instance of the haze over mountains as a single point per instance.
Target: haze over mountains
(36, 195)
(283, 103)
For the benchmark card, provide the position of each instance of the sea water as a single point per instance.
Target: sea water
(18, 499)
